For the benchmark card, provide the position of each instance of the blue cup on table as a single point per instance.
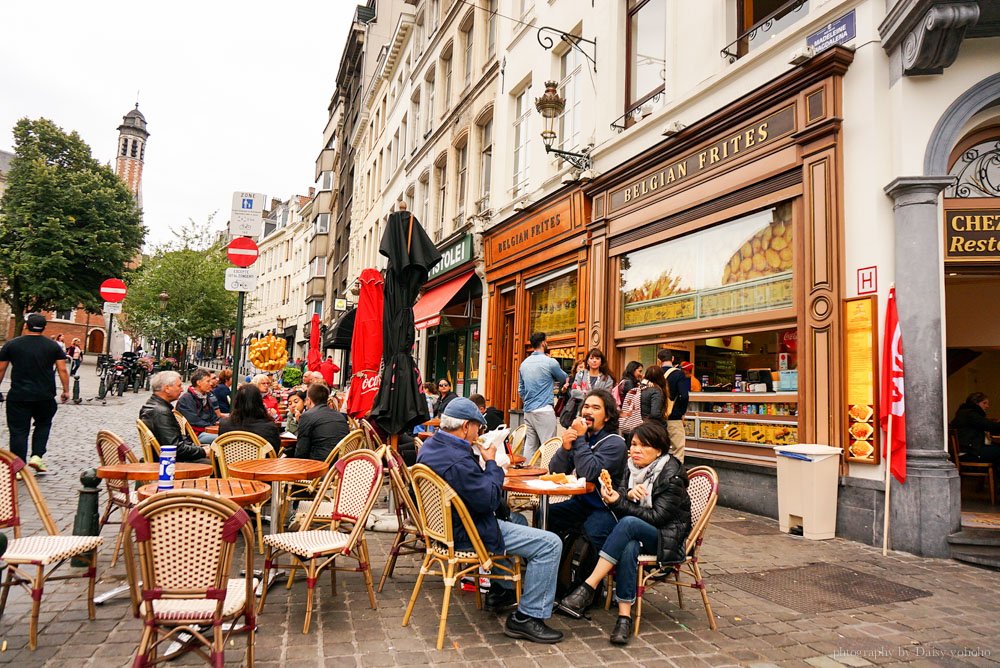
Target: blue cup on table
(168, 458)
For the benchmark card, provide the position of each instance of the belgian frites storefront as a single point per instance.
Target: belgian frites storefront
(537, 274)
(724, 243)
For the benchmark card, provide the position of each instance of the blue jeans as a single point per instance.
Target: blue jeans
(206, 439)
(576, 514)
(541, 550)
(630, 538)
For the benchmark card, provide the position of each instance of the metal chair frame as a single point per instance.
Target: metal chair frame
(410, 538)
(111, 450)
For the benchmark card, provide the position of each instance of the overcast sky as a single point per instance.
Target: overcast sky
(235, 94)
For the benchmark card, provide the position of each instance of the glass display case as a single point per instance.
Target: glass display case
(741, 425)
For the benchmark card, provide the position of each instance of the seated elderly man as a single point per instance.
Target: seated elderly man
(195, 404)
(158, 415)
(449, 454)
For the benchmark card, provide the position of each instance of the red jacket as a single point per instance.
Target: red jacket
(328, 368)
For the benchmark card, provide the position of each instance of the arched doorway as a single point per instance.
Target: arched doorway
(972, 285)
(95, 341)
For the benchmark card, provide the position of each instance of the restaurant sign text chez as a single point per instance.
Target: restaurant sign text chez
(748, 138)
(972, 235)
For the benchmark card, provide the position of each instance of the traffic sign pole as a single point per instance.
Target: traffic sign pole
(111, 327)
(238, 347)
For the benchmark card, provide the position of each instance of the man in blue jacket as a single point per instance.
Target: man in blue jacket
(590, 444)
(449, 454)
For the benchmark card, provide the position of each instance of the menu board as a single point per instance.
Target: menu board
(553, 306)
(860, 365)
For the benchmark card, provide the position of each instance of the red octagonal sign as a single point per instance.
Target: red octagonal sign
(242, 251)
(113, 290)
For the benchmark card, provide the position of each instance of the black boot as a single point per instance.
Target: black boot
(577, 601)
(622, 631)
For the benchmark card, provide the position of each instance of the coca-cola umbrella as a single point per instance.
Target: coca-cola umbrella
(366, 345)
(400, 404)
(314, 357)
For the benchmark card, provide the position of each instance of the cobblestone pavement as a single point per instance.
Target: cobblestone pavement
(957, 624)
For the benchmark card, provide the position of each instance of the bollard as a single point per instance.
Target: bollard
(76, 390)
(102, 389)
(87, 522)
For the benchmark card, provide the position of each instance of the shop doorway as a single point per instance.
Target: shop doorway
(95, 341)
(506, 367)
(972, 285)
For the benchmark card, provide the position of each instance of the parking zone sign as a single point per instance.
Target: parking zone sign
(247, 217)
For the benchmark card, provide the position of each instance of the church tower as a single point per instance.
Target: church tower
(132, 137)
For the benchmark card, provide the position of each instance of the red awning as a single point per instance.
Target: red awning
(427, 311)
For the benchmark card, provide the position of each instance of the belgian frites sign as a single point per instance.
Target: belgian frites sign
(972, 235)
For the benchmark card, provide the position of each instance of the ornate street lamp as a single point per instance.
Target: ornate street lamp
(162, 343)
(551, 106)
(164, 298)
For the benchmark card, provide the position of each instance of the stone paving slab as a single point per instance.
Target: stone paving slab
(958, 625)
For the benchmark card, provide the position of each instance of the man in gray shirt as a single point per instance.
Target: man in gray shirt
(536, 377)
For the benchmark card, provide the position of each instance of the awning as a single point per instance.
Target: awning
(427, 311)
(339, 336)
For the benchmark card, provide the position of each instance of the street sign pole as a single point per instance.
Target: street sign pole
(111, 327)
(238, 347)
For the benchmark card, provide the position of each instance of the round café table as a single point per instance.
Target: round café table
(521, 484)
(527, 472)
(151, 471)
(240, 492)
(277, 471)
(212, 429)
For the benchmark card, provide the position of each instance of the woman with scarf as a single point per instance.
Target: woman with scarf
(654, 517)
(196, 407)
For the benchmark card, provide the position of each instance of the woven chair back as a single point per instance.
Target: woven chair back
(10, 517)
(374, 440)
(436, 501)
(186, 541)
(703, 490)
(399, 478)
(185, 426)
(356, 480)
(353, 442)
(111, 450)
(352, 423)
(150, 446)
(545, 453)
(239, 446)
(517, 439)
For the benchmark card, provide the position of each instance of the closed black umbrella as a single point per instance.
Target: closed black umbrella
(400, 404)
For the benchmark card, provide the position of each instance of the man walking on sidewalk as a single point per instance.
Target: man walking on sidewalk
(536, 377)
(32, 388)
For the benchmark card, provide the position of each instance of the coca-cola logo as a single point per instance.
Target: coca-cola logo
(370, 383)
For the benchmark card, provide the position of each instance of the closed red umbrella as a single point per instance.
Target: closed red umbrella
(314, 357)
(366, 345)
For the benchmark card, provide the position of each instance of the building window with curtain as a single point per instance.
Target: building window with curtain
(491, 29)
(423, 207)
(462, 162)
(570, 68)
(430, 103)
(441, 179)
(468, 44)
(417, 122)
(522, 140)
(485, 165)
(646, 64)
(447, 69)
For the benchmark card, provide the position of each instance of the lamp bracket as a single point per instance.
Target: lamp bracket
(573, 40)
(581, 161)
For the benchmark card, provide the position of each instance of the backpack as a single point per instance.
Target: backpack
(579, 558)
(669, 399)
(631, 415)
(617, 393)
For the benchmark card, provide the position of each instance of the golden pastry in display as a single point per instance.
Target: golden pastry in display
(861, 431)
(862, 449)
(861, 412)
(768, 251)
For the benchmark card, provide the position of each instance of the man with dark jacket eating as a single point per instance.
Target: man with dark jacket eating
(158, 415)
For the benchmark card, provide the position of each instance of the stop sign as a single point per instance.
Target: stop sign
(113, 290)
(242, 251)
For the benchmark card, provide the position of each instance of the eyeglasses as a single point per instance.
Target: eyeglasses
(443, 385)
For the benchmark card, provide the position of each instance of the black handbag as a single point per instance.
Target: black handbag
(569, 412)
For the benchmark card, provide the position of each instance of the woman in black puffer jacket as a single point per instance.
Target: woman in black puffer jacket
(654, 517)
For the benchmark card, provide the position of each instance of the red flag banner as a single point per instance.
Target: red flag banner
(893, 409)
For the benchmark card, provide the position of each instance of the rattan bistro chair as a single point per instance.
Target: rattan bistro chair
(111, 449)
(150, 446)
(980, 470)
(435, 501)
(186, 543)
(186, 427)
(374, 440)
(703, 490)
(241, 446)
(42, 554)
(356, 479)
(519, 501)
(304, 491)
(409, 536)
(517, 438)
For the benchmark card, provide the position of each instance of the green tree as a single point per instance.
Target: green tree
(191, 270)
(67, 223)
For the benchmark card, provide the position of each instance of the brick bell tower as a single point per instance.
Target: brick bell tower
(132, 136)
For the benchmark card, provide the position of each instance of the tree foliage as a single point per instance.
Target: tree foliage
(67, 223)
(191, 270)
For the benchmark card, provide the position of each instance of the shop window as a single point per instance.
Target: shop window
(742, 266)
(977, 171)
(646, 66)
(522, 133)
(553, 306)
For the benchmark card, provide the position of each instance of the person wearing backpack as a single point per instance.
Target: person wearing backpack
(678, 389)
(590, 444)
(630, 380)
(654, 517)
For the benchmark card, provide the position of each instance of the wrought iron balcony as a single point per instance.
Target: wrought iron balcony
(740, 46)
(638, 111)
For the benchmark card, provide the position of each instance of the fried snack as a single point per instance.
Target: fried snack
(861, 431)
(606, 479)
(558, 478)
(768, 251)
(861, 412)
(862, 449)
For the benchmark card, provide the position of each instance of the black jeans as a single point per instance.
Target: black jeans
(19, 417)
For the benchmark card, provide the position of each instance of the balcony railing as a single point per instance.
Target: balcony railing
(740, 46)
(638, 111)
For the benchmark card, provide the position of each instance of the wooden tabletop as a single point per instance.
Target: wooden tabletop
(517, 459)
(519, 484)
(142, 471)
(241, 492)
(212, 429)
(276, 470)
(527, 472)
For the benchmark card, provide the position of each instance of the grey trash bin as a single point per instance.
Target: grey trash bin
(807, 488)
